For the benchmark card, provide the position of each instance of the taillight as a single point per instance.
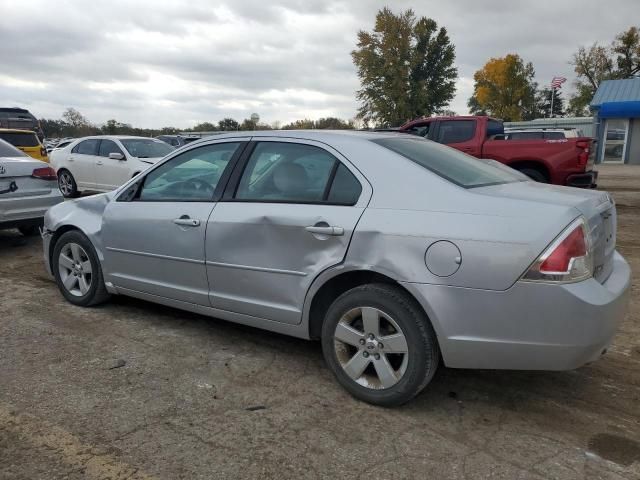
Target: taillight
(567, 259)
(583, 155)
(44, 173)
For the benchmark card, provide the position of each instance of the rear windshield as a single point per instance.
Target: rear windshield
(146, 147)
(448, 163)
(20, 139)
(8, 150)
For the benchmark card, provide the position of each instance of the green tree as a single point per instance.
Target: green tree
(228, 124)
(406, 68)
(598, 63)
(204, 127)
(305, 124)
(78, 125)
(505, 88)
(113, 127)
(627, 48)
(53, 128)
(544, 103)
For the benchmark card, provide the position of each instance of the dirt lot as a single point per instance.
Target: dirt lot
(135, 390)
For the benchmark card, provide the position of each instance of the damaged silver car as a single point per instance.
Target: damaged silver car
(396, 252)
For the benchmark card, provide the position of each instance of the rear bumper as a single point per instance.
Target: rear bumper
(583, 180)
(27, 210)
(531, 326)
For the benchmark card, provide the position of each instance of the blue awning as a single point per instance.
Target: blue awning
(620, 110)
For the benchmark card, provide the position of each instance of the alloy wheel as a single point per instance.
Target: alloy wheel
(65, 182)
(75, 269)
(371, 348)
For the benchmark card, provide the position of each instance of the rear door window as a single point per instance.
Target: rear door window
(296, 173)
(87, 147)
(456, 131)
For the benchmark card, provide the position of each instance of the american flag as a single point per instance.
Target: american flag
(556, 82)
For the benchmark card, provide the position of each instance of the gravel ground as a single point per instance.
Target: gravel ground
(135, 390)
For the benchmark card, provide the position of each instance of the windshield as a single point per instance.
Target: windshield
(146, 147)
(8, 150)
(448, 163)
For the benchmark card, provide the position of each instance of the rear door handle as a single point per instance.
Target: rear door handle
(99, 162)
(318, 230)
(187, 222)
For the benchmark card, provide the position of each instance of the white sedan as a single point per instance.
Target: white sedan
(103, 163)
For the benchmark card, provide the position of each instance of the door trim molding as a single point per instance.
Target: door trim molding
(256, 269)
(155, 255)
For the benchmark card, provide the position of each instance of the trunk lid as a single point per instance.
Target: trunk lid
(16, 180)
(597, 207)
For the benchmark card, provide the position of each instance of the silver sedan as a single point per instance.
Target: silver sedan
(28, 187)
(396, 252)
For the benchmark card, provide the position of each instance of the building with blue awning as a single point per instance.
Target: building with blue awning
(616, 107)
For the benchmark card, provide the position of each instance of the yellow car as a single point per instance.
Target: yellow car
(25, 140)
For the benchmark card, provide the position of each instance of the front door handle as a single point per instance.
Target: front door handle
(185, 221)
(99, 162)
(322, 230)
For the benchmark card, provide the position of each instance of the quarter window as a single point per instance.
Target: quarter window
(456, 131)
(86, 147)
(296, 173)
(107, 147)
(345, 189)
(190, 177)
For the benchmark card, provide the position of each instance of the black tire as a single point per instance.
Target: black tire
(423, 354)
(29, 231)
(72, 190)
(97, 292)
(534, 174)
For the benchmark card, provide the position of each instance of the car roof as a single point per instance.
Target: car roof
(112, 137)
(318, 135)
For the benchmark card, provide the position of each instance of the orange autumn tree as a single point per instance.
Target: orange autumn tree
(505, 88)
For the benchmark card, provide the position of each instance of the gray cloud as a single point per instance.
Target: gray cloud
(178, 63)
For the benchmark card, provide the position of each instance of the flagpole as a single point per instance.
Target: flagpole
(553, 92)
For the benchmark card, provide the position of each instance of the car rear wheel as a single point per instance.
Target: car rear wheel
(77, 270)
(379, 344)
(67, 184)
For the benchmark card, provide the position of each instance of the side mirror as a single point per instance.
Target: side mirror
(116, 156)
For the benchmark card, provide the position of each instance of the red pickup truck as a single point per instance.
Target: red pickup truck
(566, 161)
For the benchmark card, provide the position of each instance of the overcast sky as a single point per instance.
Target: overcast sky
(177, 63)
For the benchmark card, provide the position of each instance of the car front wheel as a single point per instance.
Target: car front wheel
(77, 270)
(379, 344)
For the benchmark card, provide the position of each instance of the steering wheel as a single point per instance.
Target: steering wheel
(196, 187)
